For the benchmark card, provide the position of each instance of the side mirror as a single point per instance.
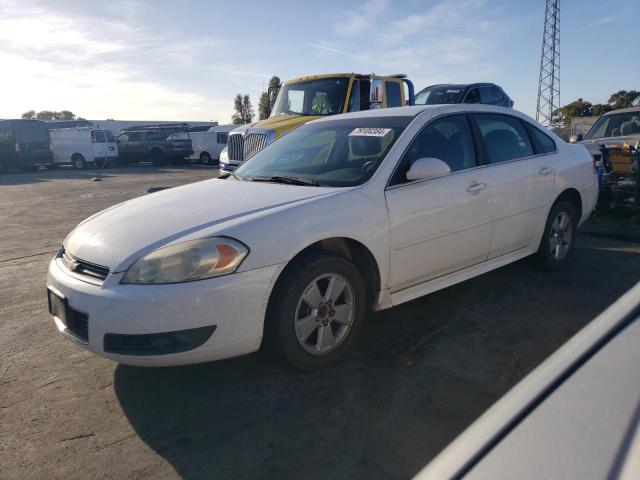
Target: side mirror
(428, 168)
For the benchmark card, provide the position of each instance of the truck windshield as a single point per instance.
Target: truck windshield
(334, 153)
(616, 125)
(439, 95)
(324, 96)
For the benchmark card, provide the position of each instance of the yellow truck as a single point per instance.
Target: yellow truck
(307, 98)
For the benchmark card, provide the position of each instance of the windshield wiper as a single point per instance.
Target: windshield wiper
(230, 174)
(285, 179)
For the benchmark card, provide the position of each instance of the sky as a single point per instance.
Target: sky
(186, 60)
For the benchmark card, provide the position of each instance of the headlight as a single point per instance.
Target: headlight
(188, 261)
(224, 156)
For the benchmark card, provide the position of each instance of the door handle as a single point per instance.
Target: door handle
(544, 171)
(475, 187)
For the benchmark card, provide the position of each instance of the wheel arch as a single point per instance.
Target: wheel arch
(572, 196)
(350, 249)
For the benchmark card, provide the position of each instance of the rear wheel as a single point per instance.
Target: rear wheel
(206, 159)
(157, 158)
(78, 161)
(317, 311)
(559, 236)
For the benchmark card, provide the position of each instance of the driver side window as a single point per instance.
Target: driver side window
(448, 139)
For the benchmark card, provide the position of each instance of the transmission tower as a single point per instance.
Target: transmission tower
(549, 82)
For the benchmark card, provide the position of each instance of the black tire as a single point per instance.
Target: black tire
(548, 256)
(78, 161)
(286, 300)
(206, 159)
(157, 158)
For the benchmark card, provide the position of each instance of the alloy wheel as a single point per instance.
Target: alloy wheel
(560, 236)
(324, 314)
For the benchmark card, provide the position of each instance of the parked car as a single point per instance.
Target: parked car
(349, 213)
(487, 93)
(576, 416)
(303, 99)
(613, 128)
(207, 144)
(23, 144)
(152, 144)
(82, 147)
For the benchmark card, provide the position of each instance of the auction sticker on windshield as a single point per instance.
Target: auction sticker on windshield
(369, 132)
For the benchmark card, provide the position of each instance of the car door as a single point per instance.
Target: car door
(440, 225)
(98, 144)
(514, 181)
(124, 150)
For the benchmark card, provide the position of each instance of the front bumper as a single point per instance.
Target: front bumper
(235, 304)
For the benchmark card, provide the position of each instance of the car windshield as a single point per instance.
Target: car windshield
(615, 125)
(339, 153)
(439, 95)
(325, 96)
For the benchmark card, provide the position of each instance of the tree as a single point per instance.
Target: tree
(624, 99)
(600, 109)
(50, 115)
(47, 115)
(243, 110)
(264, 105)
(579, 108)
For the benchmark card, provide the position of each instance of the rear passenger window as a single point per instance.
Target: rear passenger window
(394, 98)
(448, 139)
(155, 136)
(486, 95)
(504, 137)
(99, 137)
(544, 143)
(473, 96)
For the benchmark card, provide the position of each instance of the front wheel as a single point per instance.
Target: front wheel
(78, 162)
(206, 159)
(317, 311)
(559, 236)
(157, 158)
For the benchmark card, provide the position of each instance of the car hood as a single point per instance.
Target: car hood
(119, 235)
(594, 145)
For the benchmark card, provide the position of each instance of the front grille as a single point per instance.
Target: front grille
(157, 343)
(81, 267)
(78, 323)
(253, 143)
(235, 147)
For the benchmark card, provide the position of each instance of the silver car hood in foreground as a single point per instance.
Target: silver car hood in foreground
(576, 416)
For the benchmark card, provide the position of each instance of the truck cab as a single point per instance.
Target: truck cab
(304, 99)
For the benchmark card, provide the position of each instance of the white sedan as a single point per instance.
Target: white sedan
(351, 213)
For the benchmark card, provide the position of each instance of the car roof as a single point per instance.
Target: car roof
(463, 85)
(415, 110)
(623, 110)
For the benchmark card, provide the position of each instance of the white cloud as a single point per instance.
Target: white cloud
(99, 68)
(356, 22)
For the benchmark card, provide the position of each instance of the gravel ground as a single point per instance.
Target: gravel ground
(422, 372)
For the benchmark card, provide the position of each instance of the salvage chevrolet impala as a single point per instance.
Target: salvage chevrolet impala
(343, 215)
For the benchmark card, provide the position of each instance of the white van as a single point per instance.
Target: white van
(207, 145)
(82, 147)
